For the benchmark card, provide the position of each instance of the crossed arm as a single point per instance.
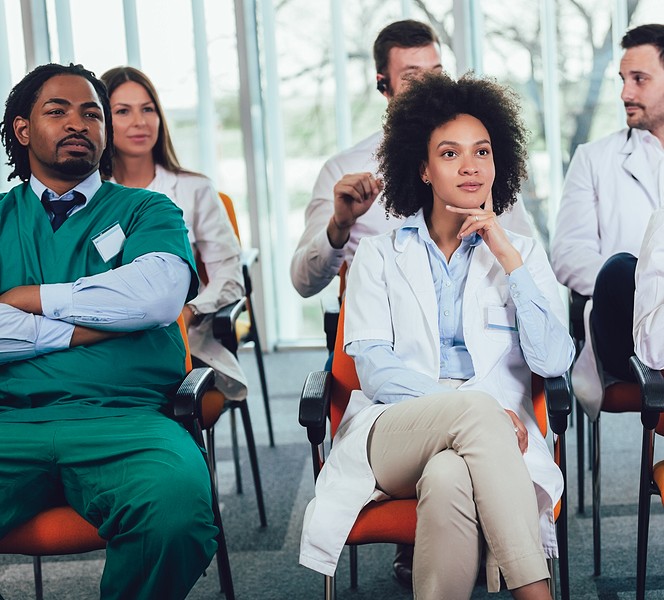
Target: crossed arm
(38, 319)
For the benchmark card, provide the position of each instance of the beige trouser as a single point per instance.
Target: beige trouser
(458, 454)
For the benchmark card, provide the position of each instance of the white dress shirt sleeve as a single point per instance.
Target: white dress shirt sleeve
(315, 262)
(149, 292)
(24, 335)
(649, 295)
(576, 251)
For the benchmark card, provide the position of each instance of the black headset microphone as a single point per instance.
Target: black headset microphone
(382, 85)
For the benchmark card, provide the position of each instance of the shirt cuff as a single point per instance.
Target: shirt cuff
(522, 287)
(56, 300)
(53, 335)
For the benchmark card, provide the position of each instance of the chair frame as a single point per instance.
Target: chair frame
(595, 435)
(186, 408)
(651, 384)
(249, 257)
(223, 328)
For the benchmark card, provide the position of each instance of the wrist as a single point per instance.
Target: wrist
(337, 234)
(196, 315)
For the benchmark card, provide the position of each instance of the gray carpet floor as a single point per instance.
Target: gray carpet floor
(264, 561)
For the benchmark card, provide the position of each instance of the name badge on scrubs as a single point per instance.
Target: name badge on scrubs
(109, 242)
(501, 317)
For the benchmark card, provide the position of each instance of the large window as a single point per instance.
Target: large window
(309, 92)
(317, 123)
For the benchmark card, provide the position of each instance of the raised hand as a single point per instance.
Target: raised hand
(354, 194)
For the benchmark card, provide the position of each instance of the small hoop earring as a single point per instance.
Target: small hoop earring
(426, 182)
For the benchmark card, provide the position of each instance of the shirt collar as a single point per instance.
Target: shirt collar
(648, 138)
(416, 225)
(88, 187)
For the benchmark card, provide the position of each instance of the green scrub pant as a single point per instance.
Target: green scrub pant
(141, 479)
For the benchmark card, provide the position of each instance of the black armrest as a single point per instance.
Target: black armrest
(577, 304)
(223, 323)
(187, 400)
(558, 396)
(651, 383)
(315, 405)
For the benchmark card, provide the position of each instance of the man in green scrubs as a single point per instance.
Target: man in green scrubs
(92, 277)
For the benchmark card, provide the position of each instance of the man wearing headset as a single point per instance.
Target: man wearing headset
(342, 208)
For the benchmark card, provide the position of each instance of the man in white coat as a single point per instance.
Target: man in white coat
(612, 187)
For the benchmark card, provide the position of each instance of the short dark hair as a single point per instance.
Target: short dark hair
(431, 101)
(653, 33)
(22, 99)
(401, 34)
(163, 151)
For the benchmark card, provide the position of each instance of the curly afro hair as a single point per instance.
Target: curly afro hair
(431, 101)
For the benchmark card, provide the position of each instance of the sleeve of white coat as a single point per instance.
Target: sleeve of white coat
(368, 313)
(649, 295)
(575, 251)
(219, 250)
(149, 292)
(315, 262)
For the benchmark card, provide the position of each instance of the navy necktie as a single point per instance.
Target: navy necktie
(60, 207)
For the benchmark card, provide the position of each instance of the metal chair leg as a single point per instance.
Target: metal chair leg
(353, 567)
(580, 462)
(644, 515)
(223, 564)
(39, 586)
(258, 351)
(236, 452)
(211, 454)
(597, 490)
(330, 588)
(561, 523)
(253, 458)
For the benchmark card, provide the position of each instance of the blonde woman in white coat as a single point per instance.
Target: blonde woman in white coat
(446, 317)
(144, 157)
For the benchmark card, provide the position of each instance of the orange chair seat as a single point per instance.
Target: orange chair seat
(622, 397)
(658, 477)
(59, 530)
(391, 521)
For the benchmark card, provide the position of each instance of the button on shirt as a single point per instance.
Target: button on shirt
(449, 281)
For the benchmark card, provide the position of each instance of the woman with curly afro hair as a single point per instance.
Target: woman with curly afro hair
(447, 317)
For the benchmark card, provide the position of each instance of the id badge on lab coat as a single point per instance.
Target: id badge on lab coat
(501, 318)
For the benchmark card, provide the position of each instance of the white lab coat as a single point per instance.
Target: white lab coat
(609, 194)
(210, 234)
(649, 296)
(407, 312)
